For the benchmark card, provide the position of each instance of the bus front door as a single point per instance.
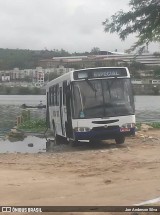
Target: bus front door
(68, 124)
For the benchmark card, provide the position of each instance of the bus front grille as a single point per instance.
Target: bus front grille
(103, 128)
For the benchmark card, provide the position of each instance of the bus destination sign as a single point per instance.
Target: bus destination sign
(100, 73)
(106, 73)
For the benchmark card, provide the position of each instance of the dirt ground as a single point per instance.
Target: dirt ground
(100, 174)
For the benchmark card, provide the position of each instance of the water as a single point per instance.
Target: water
(18, 100)
(39, 145)
(147, 110)
(10, 109)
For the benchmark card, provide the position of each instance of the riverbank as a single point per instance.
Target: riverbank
(20, 90)
(146, 89)
(103, 174)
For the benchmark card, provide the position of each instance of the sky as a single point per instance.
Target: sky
(72, 25)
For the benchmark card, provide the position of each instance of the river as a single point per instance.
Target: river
(10, 108)
(147, 109)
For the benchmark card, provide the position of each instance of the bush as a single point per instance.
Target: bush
(36, 125)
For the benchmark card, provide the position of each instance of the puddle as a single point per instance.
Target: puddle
(36, 145)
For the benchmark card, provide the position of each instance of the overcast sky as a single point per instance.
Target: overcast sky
(74, 25)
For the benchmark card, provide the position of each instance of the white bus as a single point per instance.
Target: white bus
(91, 104)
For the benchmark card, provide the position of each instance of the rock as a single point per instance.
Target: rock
(15, 135)
(14, 130)
(30, 144)
(128, 148)
(145, 127)
(108, 181)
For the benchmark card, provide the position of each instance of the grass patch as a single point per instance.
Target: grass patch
(35, 126)
(155, 125)
(138, 126)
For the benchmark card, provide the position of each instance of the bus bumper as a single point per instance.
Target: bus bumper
(104, 134)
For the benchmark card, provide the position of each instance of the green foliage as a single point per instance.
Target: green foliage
(26, 115)
(143, 19)
(134, 67)
(157, 54)
(95, 51)
(154, 124)
(37, 125)
(23, 58)
(36, 91)
(156, 71)
(4, 90)
(50, 76)
(138, 126)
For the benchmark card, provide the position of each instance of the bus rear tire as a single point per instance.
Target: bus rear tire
(120, 140)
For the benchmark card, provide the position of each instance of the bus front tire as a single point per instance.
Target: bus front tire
(56, 139)
(120, 140)
(73, 143)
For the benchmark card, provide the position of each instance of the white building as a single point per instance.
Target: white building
(6, 77)
(36, 76)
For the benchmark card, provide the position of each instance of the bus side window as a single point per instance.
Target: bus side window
(49, 96)
(57, 94)
(64, 92)
(52, 96)
(51, 103)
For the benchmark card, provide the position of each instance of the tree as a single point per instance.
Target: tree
(27, 78)
(143, 19)
(95, 51)
(156, 71)
(52, 76)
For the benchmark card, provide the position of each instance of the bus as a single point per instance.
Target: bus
(91, 104)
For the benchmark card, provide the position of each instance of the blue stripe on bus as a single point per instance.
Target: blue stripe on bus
(112, 134)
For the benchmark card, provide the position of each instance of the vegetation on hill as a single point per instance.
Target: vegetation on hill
(23, 58)
(19, 90)
(29, 59)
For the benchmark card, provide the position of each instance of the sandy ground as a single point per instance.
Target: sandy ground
(101, 174)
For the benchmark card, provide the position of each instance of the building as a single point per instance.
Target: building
(35, 76)
(5, 77)
(99, 60)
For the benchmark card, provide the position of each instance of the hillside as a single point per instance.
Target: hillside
(23, 58)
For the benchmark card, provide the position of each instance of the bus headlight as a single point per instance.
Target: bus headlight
(82, 129)
(127, 127)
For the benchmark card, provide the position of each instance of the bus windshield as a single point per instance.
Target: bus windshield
(98, 98)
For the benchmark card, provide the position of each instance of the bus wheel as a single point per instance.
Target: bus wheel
(120, 140)
(54, 134)
(73, 143)
(48, 146)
